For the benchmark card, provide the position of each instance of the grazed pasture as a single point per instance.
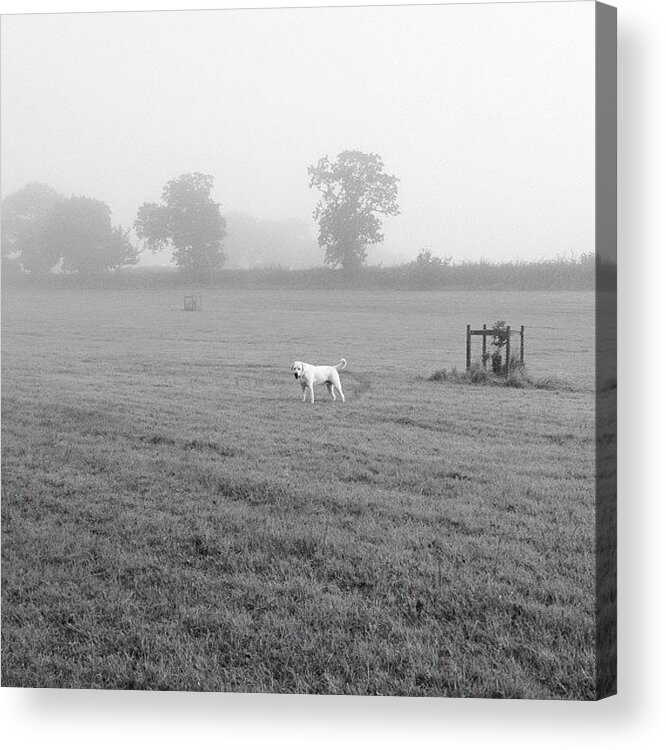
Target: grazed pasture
(175, 518)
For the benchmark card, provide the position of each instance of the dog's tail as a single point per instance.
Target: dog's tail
(341, 365)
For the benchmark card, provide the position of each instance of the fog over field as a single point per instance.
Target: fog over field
(494, 151)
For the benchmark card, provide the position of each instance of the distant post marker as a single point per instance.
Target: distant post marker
(193, 302)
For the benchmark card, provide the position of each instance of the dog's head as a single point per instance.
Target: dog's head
(297, 369)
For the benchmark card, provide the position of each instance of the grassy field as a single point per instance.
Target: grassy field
(175, 518)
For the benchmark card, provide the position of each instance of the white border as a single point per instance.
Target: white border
(100, 719)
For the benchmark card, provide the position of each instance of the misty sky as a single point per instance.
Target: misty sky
(484, 112)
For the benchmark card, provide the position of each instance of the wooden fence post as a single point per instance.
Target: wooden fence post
(469, 347)
(508, 350)
(522, 345)
(483, 354)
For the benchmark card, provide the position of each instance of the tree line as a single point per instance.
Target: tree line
(43, 230)
(583, 272)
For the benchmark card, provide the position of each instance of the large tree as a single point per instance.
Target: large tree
(189, 221)
(354, 190)
(24, 214)
(79, 232)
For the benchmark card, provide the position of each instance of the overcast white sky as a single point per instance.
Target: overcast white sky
(484, 112)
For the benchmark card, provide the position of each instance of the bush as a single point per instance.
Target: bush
(518, 378)
(476, 375)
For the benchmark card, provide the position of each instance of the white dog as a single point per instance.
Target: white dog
(311, 375)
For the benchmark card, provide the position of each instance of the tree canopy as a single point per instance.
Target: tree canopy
(189, 221)
(354, 190)
(79, 231)
(42, 229)
(24, 214)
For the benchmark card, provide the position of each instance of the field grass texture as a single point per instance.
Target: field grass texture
(175, 518)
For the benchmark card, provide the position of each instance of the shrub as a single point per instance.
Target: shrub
(476, 375)
(518, 378)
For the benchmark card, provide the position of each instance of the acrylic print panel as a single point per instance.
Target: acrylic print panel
(308, 349)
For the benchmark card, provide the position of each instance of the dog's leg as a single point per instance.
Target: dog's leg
(336, 385)
(312, 392)
(331, 389)
(305, 390)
